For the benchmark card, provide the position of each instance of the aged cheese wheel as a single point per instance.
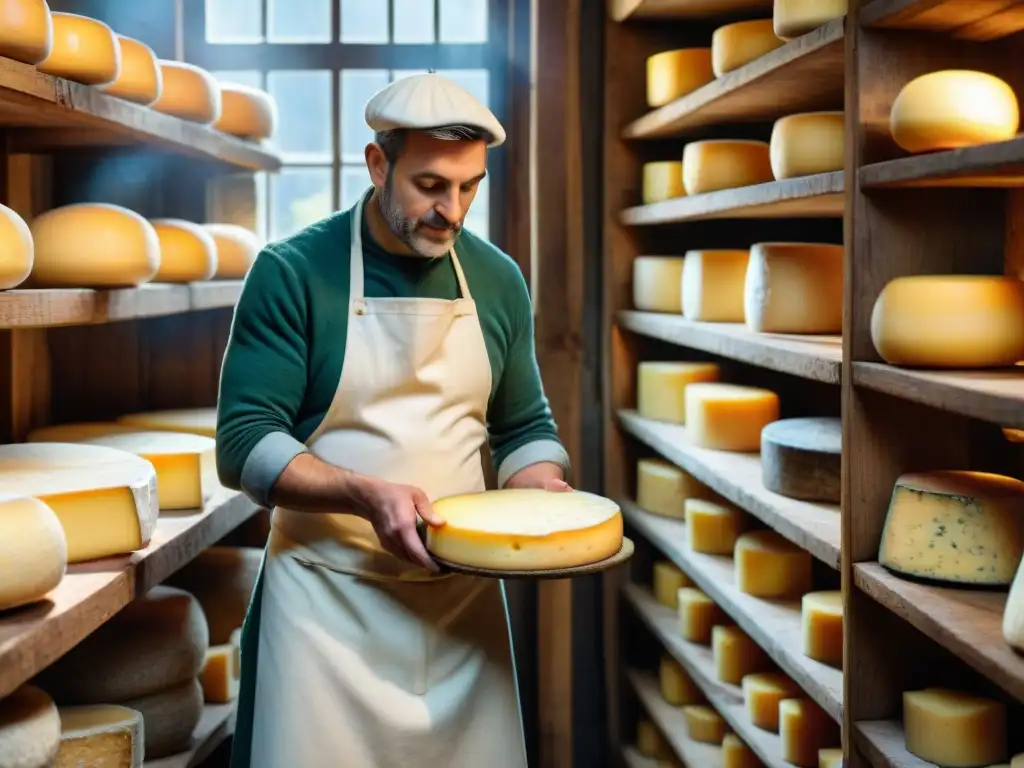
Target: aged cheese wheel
(661, 387)
(770, 566)
(808, 143)
(188, 92)
(736, 754)
(169, 717)
(800, 458)
(736, 655)
(672, 74)
(140, 79)
(100, 736)
(712, 285)
(222, 580)
(793, 18)
(199, 421)
(740, 43)
(822, 620)
(715, 164)
(84, 50)
(29, 729)
(728, 417)
(953, 728)
(248, 113)
(704, 724)
(762, 693)
(26, 30)
(657, 283)
(33, 551)
(237, 248)
(662, 180)
(794, 288)
(187, 251)
(16, 249)
(650, 741)
(805, 729)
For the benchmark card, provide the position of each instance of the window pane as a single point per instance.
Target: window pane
(364, 21)
(234, 21)
(478, 218)
(357, 86)
(414, 21)
(463, 21)
(249, 77)
(299, 197)
(355, 180)
(304, 112)
(476, 81)
(299, 21)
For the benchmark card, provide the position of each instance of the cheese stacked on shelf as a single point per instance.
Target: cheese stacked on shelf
(769, 566)
(668, 580)
(664, 489)
(806, 144)
(716, 164)
(237, 248)
(793, 18)
(734, 45)
(704, 724)
(950, 728)
(197, 421)
(33, 551)
(736, 754)
(673, 74)
(188, 92)
(29, 729)
(657, 283)
(651, 742)
(84, 50)
(662, 180)
(221, 673)
(139, 79)
(677, 687)
(801, 458)
(736, 655)
(187, 251)
(246, 112)
(222, 579)
(17, 251)
(661, 388)
(794, 288)
(728, 417)
(762, 694)
(822, 620)
(101, 735)
(805, 729)
(712, 285)
(26, 30)
(698, 614)
(712, 527)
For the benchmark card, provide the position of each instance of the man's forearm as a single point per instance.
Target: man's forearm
(309, 484)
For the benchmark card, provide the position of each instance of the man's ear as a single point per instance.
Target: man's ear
(376, 164)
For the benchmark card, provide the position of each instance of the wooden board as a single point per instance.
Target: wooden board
(1000, 164)
(215, 727)
(620, 558)
(620, 10)
(977, 20)
(672, 724)
(883, 743)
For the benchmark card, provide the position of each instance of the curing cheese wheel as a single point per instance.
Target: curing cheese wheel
(950, 321)
(768, 565)
(952, 728)
(198, 421)
(794, 288)
(221, 672)
(187, 252)
(808, 143)
(698, 613)
(661, 387)
(677, 687)
(736, 754)
(663, 488)
(169, 717)
(662, 180)
(737, 44)
(672, 74)
(805, 728)
(735, 654)
(728, 417)
(93, 245)
(222, 580)
(33, 551)
(248, 113)
(793, 18)
(762, 692)
(657, 283)
(822, 618)
(526, 529)
(100, 735)
(237, 248)
(704, 724)
(29, 729)
(952, 109)
(26, 30)
(84, 50)
(713, 285)
(668, 580)
(650, 742)
(140, 79)
(715, 164)
(800, 458)
(188, 92)
(16, 249)
(712, 527)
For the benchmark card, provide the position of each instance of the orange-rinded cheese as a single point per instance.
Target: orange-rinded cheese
(237, 248)
(663, 488)
(677, 687)
(93, 245)
(100, 736)
(954, 729)
(16, 249)
(712, 527)
(657, 283)
(662, 180)
(140, 79)
(26, 30)
(794, 288)
(712, 285)
(704, 724)
(84, 50)
(198, 421)
(793, 18)
(220, 675)
(29, 729)
(672, 74)
(698, 613)
(715, 164)
(735, 654)
(734, 45)
(808, 143)
(762, 692)
(248, 113)
(736, 754)
(188, 92)
(33, 551)
(187, 251)
(822, 616)
(728, 417)
(768, 565)
(661, 387)
(805, 729)
(668, 580)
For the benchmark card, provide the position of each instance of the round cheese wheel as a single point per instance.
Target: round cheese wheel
(952, 109)
(140, 79)
(26, 30)
(794, 288)
(33, 551)
(187, 251)
(248, 113)
(93, 245)
(188, 92)
(713, 285)
(662, 180)
(84, 50)
(237, 248)
(222, 580)
(807, 143)
(169, 717)
(737, 44)
(950, 321)
(793, 18)
(800, 458)
(16, 249)
(29, 729)
(672, 74)
(657, 282)
(199, 421)
(716, 164)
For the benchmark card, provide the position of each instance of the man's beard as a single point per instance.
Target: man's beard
(407, 229)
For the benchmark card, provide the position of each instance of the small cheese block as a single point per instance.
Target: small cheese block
(26, 30)
(237, 248)
(105, 499)
(526, 529)
(736, 754)
(734, 45)
(663, 488)
(712, 527)
(807, 143)
(198, 421)
(822, 618)
(84, 50)
(140, 79)
(29, 729)
(672, 74)
(222, 579)
(220, 675)
(768, 565)
(187, 251)
(169, 718)
(246, 112)
(951, 109)
(100, 736)
(657, 283)
(93, 245)
(762, 692)
(801, 458)
(950, 321)
(33, 551)
(662, 180)
(955, 526)
(830, 758)
(715, 164)
(16, 247)
(793, 18)
(735, 654)
(728, 417)
(698, 613)
(805, 729)
(794, 288)
(712, 286)
(677, 687)
(661, 386)
(704, 724)
(188, 92)
(668, 580)
(954, 729)
(650, 741)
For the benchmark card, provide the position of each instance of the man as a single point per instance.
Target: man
(371, 357)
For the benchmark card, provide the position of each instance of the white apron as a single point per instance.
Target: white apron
(366, 661)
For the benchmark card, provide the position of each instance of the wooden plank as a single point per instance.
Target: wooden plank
(1000, 164)
(214, 294)
(672, 724)
(620, 10)
(883, 743)
(977, 20)
(216, 726)
(805, 75)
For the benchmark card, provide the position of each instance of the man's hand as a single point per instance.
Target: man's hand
(393, 510)
(544, 475)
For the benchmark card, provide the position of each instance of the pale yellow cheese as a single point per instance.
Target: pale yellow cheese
(220, 675)
(105, 499)
(713, 285)
(950, 321)
(526, 529)
(246, 112)
(33, 551)
(955, 526)
(704, 724)
(951, 109)
(793, 18)
(668, 580)
(762, 692)
(735, 654)
(663, 488)
(26, 30)
(84, 50)
(661, 386)
(677, 687)
(662, 180)
(712, 527)
(188, 92)
(222, 579)
(657, 283)
(169, 718)
(16, 248)
(672, 74)
(805, 729)
(736, 754)
(794, 288)
(728, 417)
(770, 566)
(954, 729)
(715, 164)
(650, 741)
(187, 251)
(100, 736)
(1017, 761)
(822, 619)
(807, 143)
(237, 248)
(830, 758)
(734, 45)
(140, 79)
(198, 421)
(698, 613)
(29, 729)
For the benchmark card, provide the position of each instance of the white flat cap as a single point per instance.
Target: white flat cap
(419, 102)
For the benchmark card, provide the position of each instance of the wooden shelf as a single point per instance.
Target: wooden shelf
(810, 357)
(964, 19)
(1000, 164)
(968, 622)
(737, 477)
(215, 727)
(57, 113)
(996, 396)
(33, 637)
(672, 724)
(633, 759)
(813, 197)
(775, 625)
(620, 10)
(805, 75)
(882, 742)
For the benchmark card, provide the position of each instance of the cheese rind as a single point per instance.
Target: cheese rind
(237, 248)
(712, 527)
(84, 50)
(662, 180)
(715, 164)
(187, 251)
(668, 580)
(222, 579)
(26, 30)
(767, 565)
(672, 74)
(805, 729)
(661, 387)
(822, 621)
(698, 613)
(736, 754)
(140, 79)
(794, 288)
(762, 692)
(29, 729)
(663, 488)
(248, 113)
(100, 736)
(17, 251)
(734, 45)
(657, 284)
(728, 417)
(807, 143)
(954, 729)
(198, 421)
(793, 18)
(169, 718)
(677, 687)
(712, 285)
(802, 458)
(33, 551)
(704, 724)
(188, 92)
(736, 655)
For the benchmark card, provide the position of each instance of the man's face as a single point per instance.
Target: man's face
(425, 196)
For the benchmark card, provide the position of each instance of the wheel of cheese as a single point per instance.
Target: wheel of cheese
(662, 180)
(808, 143)
(728, 417)
(950, 321)
(237, 248)
(672, 74)
(187, 251)
(29, 729)
(101, 735)
(188, 92)
(526, 529)
(199, 421)
(716, 164)
(16, 249)
(794, 288)
(222, 580)
(713, 285)
(762, 694)
(93, 245)
(661, 387)
(169, 717)
(800, 458)
(657, 283)
(735, 45)
(793, 18)
(954, 728)
(26, 30)
(248, 113)
(140, 79)
(952, 109)
(84, 50)
(33, 551)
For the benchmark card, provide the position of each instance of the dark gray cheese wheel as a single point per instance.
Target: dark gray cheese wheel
(800, 458)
